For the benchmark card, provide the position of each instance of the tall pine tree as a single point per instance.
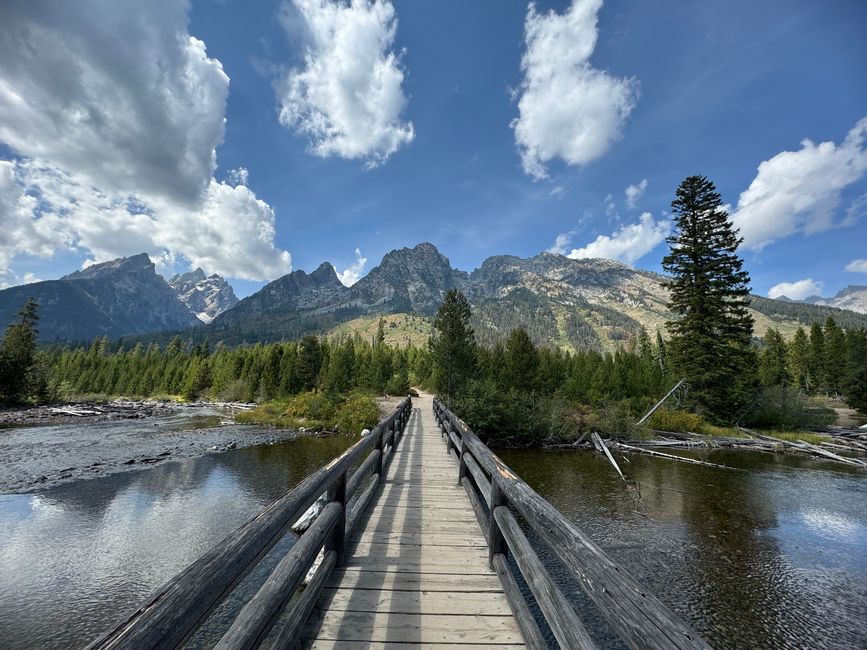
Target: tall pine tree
(18, 354)
(453, 345)
(712, 329)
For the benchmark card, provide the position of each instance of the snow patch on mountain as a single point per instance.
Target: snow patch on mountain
(207, 296)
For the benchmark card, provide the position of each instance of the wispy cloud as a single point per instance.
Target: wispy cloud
(634, 192)
(857, 266)
(352, 273)
(628, 243)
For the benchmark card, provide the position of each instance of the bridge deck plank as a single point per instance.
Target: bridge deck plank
(417, 567)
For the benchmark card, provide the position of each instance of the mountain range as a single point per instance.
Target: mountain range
(853, 297)
(117, 298)
(565, 303)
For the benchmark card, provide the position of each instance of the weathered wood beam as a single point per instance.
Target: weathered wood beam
(523, 616)
(564, 622)
(481, 515)
(258, 616)
(640, 619)
(358, 476)
(287, 630)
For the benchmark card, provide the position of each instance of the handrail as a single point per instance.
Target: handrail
(172, 614)
(639, 618)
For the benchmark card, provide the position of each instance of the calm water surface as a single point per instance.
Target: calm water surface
(771, 557)
(75, 558)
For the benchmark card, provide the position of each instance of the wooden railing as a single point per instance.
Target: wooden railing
(172, 614)
(497, 494)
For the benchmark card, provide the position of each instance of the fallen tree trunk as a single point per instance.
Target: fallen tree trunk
(682, 459)
(806, 446)
(600, 445)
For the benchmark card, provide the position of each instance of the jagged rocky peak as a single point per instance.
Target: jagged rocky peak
(409, 280)
(206, 296)
(853, 297)
(118, 297)
(325, 275)
(135, 264)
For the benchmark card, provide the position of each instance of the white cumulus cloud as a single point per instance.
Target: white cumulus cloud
(634, 192)
(231, 232)
(628, 243)
(238, 176)
(348, 96)
(567, 108)
(799, 191)
(352, 274)
(796, 290)
(114, 112)
(857, 266)
(121, 94)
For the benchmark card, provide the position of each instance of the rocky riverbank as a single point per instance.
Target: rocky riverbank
(83, 412)
(42, 447)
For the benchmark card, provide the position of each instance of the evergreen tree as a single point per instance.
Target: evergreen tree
(835, 356)
(309, 363)
(799, 361)
(660, 352)
(521, 362)
(773, 361)
(712, 330)
(817, 358)
(453, 345)
(18, 354)
(855, 383)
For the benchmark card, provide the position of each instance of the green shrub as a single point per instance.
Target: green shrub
(358, 412)
(782, 407)
(312, 406)
(235, 391)
(676, 420)
(615, 419)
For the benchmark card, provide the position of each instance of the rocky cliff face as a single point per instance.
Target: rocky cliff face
(853, 297)
(124, 296)
(410, 280)
(133, 295)
(207, 296)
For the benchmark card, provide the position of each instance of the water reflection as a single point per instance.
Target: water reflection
(772, 556)
(76, 557)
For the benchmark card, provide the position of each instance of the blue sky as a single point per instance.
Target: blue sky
(667, 90)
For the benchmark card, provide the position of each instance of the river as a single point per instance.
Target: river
(773, 556)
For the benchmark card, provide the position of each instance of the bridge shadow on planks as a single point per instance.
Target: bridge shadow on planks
(369, 600)
(417, 571)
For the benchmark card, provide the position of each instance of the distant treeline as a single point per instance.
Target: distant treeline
(515, 391)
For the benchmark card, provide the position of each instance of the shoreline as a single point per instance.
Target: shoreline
(68, 448)
(89, 411)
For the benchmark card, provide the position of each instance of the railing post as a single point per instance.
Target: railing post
(496, 541)
(336, 540)
(380, 436)
(462, 467)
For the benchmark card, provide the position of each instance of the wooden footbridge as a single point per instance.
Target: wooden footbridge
(421, 543)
